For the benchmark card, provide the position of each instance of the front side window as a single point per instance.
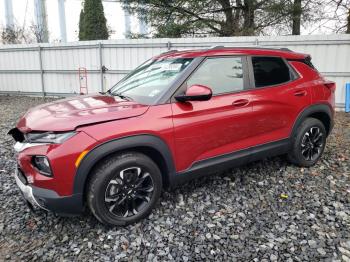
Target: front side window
(221, 74)
(270, 71)
(151, 80)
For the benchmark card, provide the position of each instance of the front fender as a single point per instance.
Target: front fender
(110, 147)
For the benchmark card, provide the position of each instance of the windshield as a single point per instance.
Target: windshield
(151, 80)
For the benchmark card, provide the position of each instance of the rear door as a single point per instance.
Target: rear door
(280, 94)
(223, 124)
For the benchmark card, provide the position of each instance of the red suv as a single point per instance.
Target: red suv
(178, 116)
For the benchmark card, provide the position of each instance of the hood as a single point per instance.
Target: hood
(67, 114)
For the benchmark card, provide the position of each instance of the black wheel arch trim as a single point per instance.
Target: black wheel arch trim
(124, 143)
(316, 108)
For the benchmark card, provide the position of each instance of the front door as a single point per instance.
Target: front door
(221, 125)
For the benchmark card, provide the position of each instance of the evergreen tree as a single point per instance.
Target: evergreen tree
(81, 22)
(92, 23)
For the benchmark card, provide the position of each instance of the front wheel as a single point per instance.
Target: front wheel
(124, 189)
(308, 143)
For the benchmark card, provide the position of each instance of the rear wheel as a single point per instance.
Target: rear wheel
(308, 143)
(124, 189)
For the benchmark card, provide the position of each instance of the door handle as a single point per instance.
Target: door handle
(300, 93)
(240, 102)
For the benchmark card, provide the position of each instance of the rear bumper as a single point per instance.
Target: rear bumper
(40, 198)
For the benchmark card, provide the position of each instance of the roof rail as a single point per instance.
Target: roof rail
(250, 47)
(286, 49)
(216, 47)
(168, 52)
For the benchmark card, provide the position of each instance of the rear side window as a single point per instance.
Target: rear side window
(270, 71)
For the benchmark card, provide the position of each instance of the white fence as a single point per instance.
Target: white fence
(52, 69)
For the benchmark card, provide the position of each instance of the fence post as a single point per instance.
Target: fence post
(168, 45)
(41, 72)
(347, 97)
(101, 65)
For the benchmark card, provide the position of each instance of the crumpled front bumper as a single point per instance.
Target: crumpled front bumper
(41, 198)
(53, 193)
(26, 190)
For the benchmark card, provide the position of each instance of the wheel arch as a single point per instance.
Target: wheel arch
(152, 146)
(321, 112)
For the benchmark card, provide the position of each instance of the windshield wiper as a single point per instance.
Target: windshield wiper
(128, 98)
(107, 92)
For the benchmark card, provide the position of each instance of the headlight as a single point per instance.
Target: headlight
(48, 137)
(42, 164)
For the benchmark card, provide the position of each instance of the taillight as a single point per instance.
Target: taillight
(331, 86)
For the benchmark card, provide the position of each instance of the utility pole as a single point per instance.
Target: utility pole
(41, 33)
(62, 18)
(8, 14)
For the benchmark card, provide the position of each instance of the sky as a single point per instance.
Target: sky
(24, 16)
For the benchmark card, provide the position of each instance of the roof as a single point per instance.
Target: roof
(221, 50)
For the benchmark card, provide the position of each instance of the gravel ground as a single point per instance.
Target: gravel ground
(266, 211)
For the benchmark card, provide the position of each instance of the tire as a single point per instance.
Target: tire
(124, 189)
(310, 136)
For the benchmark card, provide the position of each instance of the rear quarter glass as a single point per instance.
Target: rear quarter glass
(312, 78)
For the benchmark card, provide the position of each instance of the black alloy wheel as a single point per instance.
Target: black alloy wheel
(307, 143)
(312, 143)
(124, 188)
(129, 192)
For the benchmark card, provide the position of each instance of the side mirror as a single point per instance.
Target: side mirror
(195, 93)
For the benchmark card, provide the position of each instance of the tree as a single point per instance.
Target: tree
(81, 23)
(11, 35)
(342, 15)
(40, 33)
(302, 13)
(15, 35)
(182, 18)
(92, 23)
(296, 17)
(179, 18)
